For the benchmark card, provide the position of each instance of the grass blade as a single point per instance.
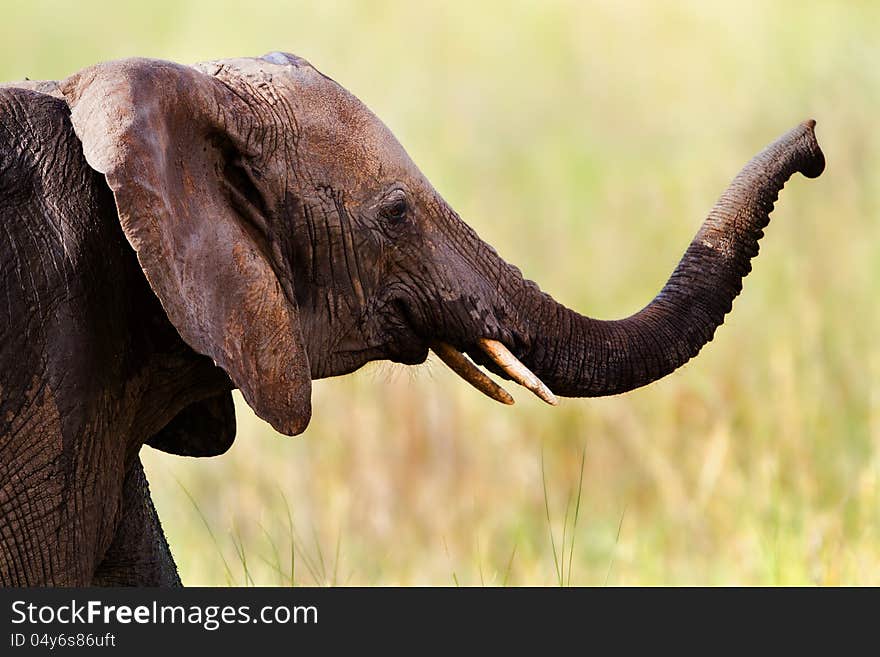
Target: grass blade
(577, 510)
(509, 566)
(616, 541)
(229, 577)
(549, 523)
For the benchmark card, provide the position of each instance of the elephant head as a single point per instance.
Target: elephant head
(290, 237)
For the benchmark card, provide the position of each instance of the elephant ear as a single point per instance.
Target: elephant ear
(173, 144)
(205, 428)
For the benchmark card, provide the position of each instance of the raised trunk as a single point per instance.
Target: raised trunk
(582, 357)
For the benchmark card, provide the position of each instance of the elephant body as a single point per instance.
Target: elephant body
(172, 233)
(91, 367)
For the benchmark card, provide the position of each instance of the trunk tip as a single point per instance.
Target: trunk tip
(814, 162)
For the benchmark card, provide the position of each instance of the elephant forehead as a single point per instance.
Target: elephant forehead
(337, 130)
(346, 139)
(335, 133)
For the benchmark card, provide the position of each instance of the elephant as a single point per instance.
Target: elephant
(174, 232)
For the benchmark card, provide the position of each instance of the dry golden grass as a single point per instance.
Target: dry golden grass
(586, 141)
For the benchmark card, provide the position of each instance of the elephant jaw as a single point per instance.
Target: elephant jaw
(501, 356)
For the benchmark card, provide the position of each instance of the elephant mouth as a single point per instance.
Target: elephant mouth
(493, 350)
(503, 359)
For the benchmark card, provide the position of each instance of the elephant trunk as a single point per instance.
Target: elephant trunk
(577, 356)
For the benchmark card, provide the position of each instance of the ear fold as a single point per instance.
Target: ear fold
(172, 143)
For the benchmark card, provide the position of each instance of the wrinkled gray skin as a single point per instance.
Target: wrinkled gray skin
(172, 232)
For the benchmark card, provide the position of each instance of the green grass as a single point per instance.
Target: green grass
(586, 141)
(563, 576)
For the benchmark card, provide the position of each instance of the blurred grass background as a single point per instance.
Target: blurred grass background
(586, 141)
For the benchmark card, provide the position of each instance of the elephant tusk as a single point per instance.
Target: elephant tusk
(461, 365)
(516, 370)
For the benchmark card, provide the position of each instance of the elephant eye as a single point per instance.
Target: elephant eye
(396, 209)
